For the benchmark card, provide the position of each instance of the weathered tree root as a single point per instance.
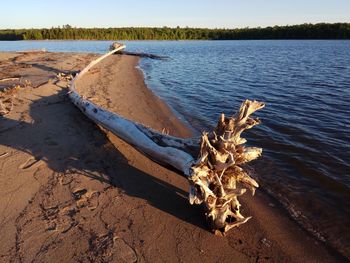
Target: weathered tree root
(5, 109)
(216, 178)
(7, 97)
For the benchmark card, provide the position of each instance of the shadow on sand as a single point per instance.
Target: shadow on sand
(66, 140)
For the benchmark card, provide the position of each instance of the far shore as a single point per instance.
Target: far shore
(71, 191)
(300, 31)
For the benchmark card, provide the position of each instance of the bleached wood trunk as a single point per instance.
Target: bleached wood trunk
(214, 176)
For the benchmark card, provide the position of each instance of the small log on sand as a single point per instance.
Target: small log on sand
(9, 79)
(213, 163)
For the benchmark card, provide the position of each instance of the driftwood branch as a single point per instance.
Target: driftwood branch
(114, 46)
(5, 109)
(213, 164)
(9, 79)
(143, 55)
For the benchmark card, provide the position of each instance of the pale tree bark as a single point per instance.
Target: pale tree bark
(213, 163)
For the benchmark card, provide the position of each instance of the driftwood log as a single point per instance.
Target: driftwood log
(213, 163)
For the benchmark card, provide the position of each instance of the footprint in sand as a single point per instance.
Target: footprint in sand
(78, 193)
(93, 200)
(65, 179)
(61, 220)
(85, 198)
(31, 163)
(111, 249)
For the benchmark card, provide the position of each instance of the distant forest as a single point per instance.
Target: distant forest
(304, 31)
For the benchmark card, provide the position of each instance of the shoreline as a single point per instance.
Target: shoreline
(136, 96)
(106, 200)
(173, 112)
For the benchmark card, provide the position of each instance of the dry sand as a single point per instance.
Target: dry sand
(72, 192)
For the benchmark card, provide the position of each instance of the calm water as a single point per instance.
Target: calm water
(306, 123)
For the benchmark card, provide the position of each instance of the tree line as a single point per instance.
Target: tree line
(303, 31)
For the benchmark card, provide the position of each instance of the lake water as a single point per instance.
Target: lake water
(305, 132)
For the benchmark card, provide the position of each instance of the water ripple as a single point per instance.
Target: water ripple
(306, 124)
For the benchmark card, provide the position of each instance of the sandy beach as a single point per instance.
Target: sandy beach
(72, 192)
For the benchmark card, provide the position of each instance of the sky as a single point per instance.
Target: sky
(159, 13)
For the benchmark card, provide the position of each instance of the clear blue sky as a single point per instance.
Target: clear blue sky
(172, 13)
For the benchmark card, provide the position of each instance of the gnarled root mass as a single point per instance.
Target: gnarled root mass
(218, 177)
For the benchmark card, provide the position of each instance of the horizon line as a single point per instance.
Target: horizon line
(174, 27)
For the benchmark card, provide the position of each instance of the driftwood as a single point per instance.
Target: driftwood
(9, 79)
(137, 54)
(7, 96)
(142, 55)
(217, 178)
(212, 163)
(6, 106)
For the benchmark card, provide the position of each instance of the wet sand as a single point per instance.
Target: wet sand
(71, 191)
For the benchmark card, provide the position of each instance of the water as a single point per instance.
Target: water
(306, 124)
